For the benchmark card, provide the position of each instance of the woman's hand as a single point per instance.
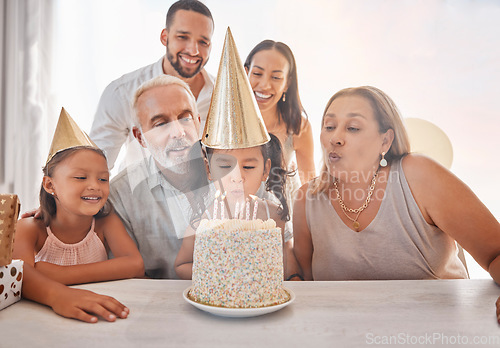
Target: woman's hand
(86, 305)
(36, 213)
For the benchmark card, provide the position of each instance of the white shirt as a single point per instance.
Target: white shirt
(114, 118)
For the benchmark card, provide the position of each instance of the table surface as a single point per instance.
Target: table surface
(342, 314)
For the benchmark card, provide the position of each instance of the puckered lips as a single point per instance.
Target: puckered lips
(334, 157)
(237, 192)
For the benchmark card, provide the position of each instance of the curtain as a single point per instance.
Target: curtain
(25, 62)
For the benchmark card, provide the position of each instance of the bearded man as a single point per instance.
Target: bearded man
(153, 197)
(187, 37)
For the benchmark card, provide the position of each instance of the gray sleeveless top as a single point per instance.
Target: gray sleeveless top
(397, 244)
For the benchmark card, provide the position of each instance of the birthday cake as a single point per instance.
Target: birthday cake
(238, 264)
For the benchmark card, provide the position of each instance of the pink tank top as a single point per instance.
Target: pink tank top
(89, 250)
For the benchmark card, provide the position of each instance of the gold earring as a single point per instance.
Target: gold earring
(284, 96)
(383, 161)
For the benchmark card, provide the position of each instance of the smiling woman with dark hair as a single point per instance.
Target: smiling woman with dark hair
(272, 72)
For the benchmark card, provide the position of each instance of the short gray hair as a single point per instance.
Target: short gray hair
(162, 80)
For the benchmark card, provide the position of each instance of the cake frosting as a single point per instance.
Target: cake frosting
(238, 264)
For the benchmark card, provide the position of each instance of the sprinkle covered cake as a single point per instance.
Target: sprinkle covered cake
(238, 264)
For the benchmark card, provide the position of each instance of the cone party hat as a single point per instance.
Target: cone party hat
(234, 120)
(67, 135)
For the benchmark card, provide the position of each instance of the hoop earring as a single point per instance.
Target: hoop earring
(383, 161)
(284, 96)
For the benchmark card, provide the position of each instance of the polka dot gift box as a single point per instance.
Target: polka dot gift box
(11, 272)
(11, 280)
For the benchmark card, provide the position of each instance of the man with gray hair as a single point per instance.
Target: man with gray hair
(153, 197)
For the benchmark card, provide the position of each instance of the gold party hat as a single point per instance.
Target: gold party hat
(68, 135)
(234, 120)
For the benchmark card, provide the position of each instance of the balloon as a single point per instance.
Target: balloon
(430, 140)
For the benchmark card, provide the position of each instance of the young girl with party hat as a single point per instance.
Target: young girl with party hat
(240, 156)
(79, 229)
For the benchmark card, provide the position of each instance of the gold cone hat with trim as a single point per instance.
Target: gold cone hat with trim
(68, 135)
(234, 120)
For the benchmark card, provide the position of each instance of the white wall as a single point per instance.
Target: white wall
(439, 60)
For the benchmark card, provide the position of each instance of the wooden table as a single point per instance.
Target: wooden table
(324, 314)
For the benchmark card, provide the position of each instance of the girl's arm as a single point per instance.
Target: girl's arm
(184, 259)
(67, 302)
(292, 269)
(290, 264)
(449, 204)
(304, 151)
(26, 239)
(70, 303)
(127, 261)
(302, 242)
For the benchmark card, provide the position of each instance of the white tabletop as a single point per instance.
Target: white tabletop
(324, 314)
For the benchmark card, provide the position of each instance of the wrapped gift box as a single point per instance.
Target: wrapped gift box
(11, 280)
(9, 211)
(11, 272)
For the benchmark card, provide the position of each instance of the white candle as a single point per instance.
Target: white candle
(237, 210)
(248, 210)
(256, 204)
(216, 204)
(222, 207)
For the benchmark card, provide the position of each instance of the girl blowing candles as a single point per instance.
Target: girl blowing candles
(239, 173)
(240, 155)
(70, 245)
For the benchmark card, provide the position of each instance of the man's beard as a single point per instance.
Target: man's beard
(177, 164)
(176, 64)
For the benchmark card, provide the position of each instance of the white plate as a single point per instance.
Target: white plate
(238, 312)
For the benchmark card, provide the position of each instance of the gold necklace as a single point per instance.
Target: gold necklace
(355, 223)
